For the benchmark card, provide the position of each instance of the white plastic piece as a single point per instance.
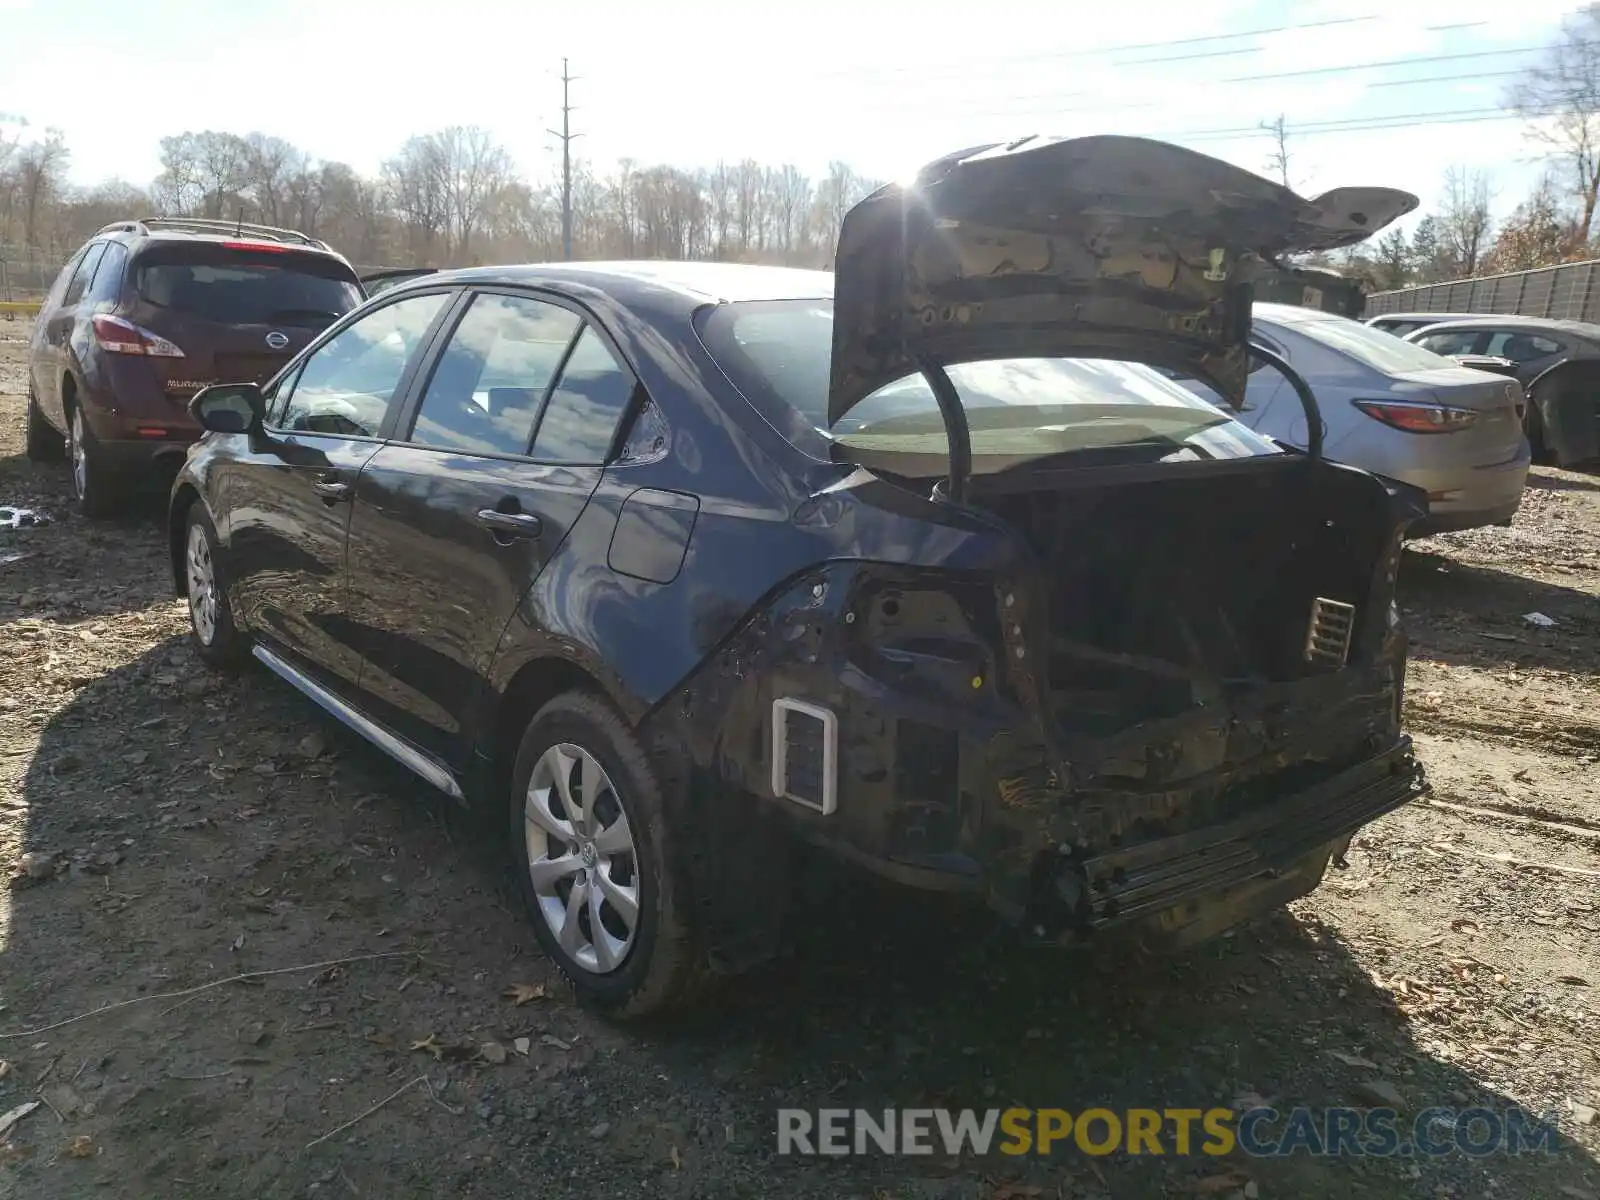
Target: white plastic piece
(830, 753)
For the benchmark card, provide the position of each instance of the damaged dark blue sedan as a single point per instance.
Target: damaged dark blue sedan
(687, 568)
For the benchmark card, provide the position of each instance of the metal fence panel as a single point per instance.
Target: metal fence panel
(1569, 292)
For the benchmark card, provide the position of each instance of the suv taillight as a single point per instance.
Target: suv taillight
(116, 336)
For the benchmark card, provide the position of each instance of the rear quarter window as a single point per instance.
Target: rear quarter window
(246, 287)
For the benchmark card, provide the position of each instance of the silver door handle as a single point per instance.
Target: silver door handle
(524, 525)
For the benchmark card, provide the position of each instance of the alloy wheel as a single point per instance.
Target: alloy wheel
(202, 585)
(582, 861)
(80, 456)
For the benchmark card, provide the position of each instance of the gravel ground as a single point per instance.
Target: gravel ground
(164, 829)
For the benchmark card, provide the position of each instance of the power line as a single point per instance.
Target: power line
(1099, 51)
(1116, 105)
(1462, 116)
(966, 64)
(1393, 62)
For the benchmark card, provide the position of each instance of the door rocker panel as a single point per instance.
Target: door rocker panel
(403, 752)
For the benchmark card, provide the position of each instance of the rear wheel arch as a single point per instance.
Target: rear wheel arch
(535, 684)
(183, 500)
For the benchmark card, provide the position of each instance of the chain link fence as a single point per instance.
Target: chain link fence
(26, 272)
(1569, 292)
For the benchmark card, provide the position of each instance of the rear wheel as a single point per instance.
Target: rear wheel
(95, 484)
(44, 443)
(594, 861)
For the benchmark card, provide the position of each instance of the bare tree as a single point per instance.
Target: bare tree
(449, 197)
(1560, 101)
(204, 174)
(719, 193)
(1278, 158)
(473, 169)
(40, 171)
(276, 175)
(748, 197)
(415, 179)
(791, 204)
(1465, 221)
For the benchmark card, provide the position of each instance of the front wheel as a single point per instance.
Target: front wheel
(1533, 425)
(594, 859)
(216, 639)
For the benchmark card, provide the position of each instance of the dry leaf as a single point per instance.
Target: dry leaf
(677, 1163)
(1015, 1191)
(1461, 923)
(492, 1052)
(1226, 1182)
(1354, 1060)
(81, 1146)
(521, 1045)
(431, 1046)
(8, 1119)
(1573, 980)
(524, 993)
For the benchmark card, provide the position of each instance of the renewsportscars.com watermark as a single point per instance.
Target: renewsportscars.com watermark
(1255, 1132)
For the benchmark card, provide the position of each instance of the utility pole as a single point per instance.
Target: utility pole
(566, 135)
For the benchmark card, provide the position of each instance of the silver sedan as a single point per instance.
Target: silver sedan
(1397, 410)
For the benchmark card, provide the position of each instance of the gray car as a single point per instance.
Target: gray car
(1402, 324)
(1395, 409)
(1555, 361)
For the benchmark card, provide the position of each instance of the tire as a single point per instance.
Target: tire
(45, 444)
(628, 972)
(216, 638)
(1533, 426)
(96, 487)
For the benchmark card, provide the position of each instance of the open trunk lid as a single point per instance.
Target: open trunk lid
(1097, 247)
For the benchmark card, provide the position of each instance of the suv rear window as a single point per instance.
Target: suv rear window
(246, 287)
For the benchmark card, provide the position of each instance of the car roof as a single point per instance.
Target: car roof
(1424, 316)
(1292, 314)
(695, 283)
(1511, 321)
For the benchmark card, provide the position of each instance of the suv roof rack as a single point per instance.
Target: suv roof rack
(271, 233)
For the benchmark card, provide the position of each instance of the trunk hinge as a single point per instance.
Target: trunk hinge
(1302, 391)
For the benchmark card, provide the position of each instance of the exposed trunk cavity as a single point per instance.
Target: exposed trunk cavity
(1171, 595)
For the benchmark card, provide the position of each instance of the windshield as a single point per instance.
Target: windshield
(777, 353)
(1376, 348)
(247, 288)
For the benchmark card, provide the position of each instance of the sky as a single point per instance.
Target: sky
(884, 86)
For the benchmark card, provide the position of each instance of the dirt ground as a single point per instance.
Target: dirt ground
(164, 830)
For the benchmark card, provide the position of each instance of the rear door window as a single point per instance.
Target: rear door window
(84, 273)
(107, 285)
(246, 287)
(486, 390)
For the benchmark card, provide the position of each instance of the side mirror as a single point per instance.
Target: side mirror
(229, 408)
